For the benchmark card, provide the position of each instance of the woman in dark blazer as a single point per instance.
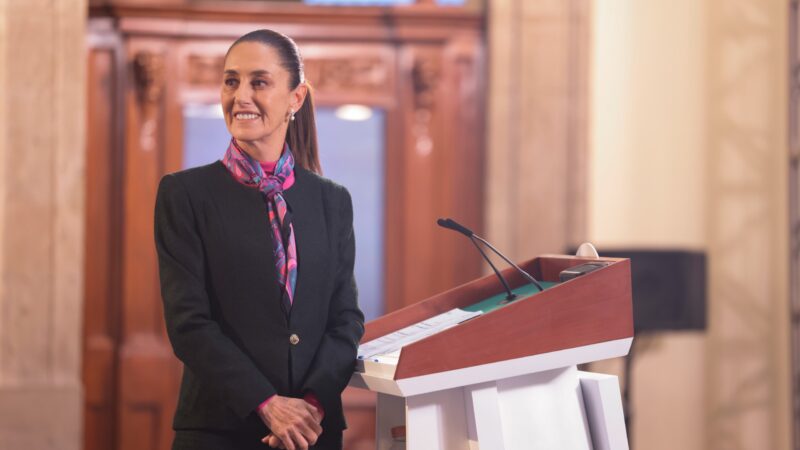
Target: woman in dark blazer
(256, 259)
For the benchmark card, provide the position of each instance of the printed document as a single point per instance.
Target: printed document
(393, 342)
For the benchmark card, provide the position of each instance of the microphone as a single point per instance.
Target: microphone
(453, 225)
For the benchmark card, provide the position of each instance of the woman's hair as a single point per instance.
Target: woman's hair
(302, 132)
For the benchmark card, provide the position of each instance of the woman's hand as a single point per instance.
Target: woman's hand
(273, 441)
(294, 423)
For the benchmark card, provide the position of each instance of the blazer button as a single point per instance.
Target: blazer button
(294, 339)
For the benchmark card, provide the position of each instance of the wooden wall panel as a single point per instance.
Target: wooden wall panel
(149, 374)
(463, 102)
(360, 412)
(441, 162)
(420, 70)
(101, 315)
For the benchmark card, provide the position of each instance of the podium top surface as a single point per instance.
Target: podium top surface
(587, 310)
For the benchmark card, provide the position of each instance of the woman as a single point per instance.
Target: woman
(256, 263)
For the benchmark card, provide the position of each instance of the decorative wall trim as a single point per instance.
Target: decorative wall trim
(425, 75)
(205, 69)
(342, 75)
(354, 75)
(148, 71)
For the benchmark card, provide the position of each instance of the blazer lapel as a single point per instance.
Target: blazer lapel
(304, 200)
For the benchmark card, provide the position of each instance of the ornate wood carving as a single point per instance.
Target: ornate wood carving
(148, 71)
(367, 75)
(205, 69)
(362, 75)
(425, 76)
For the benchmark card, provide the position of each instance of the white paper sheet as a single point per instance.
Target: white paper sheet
(393, 342)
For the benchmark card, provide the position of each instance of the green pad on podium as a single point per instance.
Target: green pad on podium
(499, 300)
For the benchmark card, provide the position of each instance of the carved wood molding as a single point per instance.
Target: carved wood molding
(419, 22)
(148, 71)
(425, 76)
(343, 75)
(205, 69)
(356, 75)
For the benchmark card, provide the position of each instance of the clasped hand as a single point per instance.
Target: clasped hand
(295, 424)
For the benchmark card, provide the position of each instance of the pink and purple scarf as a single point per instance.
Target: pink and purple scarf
(248, 171)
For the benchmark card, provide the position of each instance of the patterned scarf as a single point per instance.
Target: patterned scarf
(248, 171)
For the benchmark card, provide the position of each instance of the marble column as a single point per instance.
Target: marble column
(689, 151)
(42, 132)
(536, 140)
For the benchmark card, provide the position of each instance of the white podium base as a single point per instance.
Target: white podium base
(555, 409)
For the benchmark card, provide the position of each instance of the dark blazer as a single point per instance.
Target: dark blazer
(222, 300)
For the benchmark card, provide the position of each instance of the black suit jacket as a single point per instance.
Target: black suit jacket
(222, 299)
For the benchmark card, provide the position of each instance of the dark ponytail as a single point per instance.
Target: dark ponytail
(302, 135)
(302, 132)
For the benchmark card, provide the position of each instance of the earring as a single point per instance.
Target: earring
(291, 117)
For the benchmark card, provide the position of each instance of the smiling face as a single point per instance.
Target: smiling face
(257, 99)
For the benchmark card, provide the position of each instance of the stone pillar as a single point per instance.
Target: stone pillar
(536, 146)
(747, 185)
(42, 132)
(689, 151)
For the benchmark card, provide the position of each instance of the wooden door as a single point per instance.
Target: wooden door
(101, 315)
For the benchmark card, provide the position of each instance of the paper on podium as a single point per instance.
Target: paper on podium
(388, 347)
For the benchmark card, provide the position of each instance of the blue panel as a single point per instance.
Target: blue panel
(351, 154)
(205, 136)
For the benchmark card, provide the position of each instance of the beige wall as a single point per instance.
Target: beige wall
(42, 111)
(648, 132)
(688, 150)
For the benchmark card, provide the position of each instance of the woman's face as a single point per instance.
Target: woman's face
(256, 98)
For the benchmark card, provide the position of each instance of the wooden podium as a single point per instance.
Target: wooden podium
(507, 379)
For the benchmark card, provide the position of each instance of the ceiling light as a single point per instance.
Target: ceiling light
(354, 113)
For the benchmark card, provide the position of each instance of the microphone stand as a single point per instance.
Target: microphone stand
(511, 295)
(511, 263)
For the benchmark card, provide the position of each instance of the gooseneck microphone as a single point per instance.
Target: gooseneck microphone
(455, 226)
(452, 225)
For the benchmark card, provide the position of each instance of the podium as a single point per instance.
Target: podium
(508, 378)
